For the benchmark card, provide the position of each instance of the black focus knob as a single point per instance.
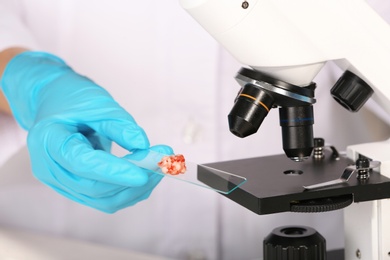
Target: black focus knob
(294, 243)
(351, 92)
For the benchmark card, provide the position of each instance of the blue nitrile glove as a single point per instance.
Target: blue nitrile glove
(71, 123)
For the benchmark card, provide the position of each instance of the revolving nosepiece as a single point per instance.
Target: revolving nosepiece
(258, 94)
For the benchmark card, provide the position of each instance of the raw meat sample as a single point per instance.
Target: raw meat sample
(173, 164)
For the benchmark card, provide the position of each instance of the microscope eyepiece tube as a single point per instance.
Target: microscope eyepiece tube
(251, 106)
(297, 131)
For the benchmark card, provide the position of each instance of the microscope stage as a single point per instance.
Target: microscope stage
(275, 184)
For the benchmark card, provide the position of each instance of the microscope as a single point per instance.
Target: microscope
(284, 44)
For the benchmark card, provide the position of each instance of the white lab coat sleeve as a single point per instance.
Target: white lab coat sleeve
(13, 30)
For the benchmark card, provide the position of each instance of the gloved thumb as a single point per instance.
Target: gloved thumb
(148, 158)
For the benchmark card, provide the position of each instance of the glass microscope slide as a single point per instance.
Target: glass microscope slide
(196, 174)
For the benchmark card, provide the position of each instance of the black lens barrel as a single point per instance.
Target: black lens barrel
(251, 106)
(297, 131)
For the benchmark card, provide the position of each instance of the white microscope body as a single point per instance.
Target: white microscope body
(291, 41)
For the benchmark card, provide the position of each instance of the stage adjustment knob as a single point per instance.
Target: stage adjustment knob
(294, 243)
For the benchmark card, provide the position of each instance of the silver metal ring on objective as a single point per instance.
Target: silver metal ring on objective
(243, 80)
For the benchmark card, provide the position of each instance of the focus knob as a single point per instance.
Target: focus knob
(294, 243)
(351, 92)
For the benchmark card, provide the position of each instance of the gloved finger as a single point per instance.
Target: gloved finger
(127, 133)
(75, 154)
(158, 152)
(149, 158)
(93, 188)
(77, 191)
(98, 142)
(140, 194)
(110, 204)
(53, 174)
(78, 185)
(163, 149)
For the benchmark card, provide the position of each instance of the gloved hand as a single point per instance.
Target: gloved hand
(71, 123)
